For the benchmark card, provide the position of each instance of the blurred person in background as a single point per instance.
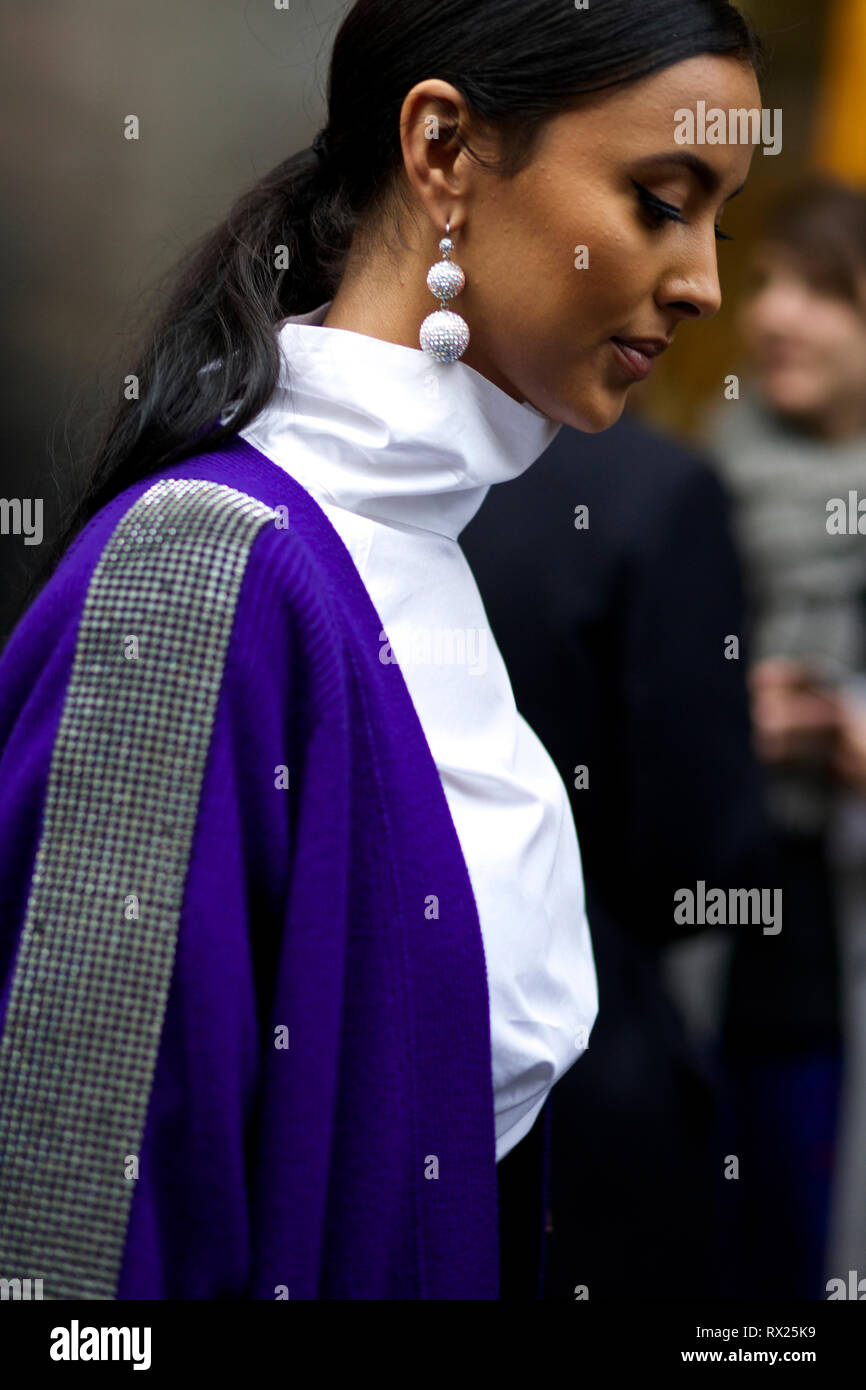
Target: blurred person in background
(791, 445)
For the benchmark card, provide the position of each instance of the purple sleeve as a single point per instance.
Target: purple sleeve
(324, 1047)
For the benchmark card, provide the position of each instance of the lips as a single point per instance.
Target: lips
(636, 354)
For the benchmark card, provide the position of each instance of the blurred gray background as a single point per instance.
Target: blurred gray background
(223, 89)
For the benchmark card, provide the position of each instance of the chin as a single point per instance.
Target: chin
(589, 412)
(790, 393)
(597, 416)
(793, 403)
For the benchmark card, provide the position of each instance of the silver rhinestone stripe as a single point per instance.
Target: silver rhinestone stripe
(82, 1029)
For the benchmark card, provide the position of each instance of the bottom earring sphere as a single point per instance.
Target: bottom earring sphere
(444, 335)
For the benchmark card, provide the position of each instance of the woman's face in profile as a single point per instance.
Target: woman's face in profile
(806, 344)
(543, 313)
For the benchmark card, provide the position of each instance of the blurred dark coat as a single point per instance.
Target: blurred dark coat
(615, 638)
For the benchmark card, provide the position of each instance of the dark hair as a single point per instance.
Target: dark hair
(823, 222)
(282, 248)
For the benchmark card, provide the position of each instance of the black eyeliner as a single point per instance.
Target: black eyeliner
(659, 205)
(652, 201)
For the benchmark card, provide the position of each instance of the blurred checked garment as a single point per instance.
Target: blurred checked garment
(807, 585)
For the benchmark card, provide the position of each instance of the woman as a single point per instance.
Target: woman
(313, 914)
(793, 444)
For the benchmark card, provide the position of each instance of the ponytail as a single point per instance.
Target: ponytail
(279, 251)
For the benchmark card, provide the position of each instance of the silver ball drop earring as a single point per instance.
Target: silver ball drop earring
(444, 334)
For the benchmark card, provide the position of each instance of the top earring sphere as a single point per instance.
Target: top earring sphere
(445, 279)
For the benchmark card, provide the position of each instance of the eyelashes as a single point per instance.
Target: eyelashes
(660, 211)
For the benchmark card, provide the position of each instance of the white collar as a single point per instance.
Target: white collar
(389, 432)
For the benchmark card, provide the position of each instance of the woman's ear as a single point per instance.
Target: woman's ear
(440, 174)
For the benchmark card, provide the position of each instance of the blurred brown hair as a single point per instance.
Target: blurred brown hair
(823, 222)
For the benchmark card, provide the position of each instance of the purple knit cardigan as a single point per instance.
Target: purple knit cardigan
(358, 1161)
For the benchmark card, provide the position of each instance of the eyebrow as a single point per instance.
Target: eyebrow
(704, 172)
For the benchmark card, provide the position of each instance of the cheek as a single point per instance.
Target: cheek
(553, 294)
(755, 321)
(841, 342)
(521, 291)
(621, 272)
(827, 330)
(602, 288)
(778, 316)
(574, 272)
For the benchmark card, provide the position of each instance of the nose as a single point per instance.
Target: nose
(691, 286)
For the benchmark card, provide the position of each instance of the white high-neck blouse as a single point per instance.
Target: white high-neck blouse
(399, 451)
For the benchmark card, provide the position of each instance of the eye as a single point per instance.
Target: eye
(659, 211)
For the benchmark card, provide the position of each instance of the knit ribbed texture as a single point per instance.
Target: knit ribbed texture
(321, 1117)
